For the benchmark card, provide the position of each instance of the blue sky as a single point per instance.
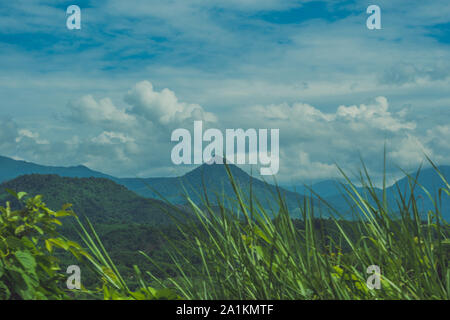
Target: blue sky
(335, 89)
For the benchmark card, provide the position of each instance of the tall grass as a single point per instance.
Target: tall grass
(243, 251)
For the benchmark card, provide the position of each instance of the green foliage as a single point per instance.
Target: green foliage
(28, 269)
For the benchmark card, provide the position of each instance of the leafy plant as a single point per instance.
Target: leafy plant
(28, 268)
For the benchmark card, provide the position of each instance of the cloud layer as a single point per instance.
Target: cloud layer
(137, 70)
(135, 139)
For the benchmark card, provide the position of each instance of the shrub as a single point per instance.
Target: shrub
(28, 268)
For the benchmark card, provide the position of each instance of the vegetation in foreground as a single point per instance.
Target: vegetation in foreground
(235, 250)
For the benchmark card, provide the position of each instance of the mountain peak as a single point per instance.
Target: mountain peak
(216, 160)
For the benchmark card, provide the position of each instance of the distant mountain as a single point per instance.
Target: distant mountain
(214, 179)
(428, 178)
(100, 199)
(326, 188)
(10, 169)
(431, 181)
(213, 176)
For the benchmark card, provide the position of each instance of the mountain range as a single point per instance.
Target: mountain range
(214, 179)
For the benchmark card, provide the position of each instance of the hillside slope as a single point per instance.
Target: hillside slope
(100, 199)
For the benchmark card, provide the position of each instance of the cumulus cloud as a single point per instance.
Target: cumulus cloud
(108, 138)
(375, 115)
(305, 169)
(144, 104)
(307, 118)
(21, 143)
(410, 152)
(284, 112)
(128, 141)
(223, 56)
(132, 138)
(24, 134)
(312, 141)
(88, 110)
(163, 107)
(437, 139)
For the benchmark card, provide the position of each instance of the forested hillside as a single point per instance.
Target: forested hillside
(102, 200)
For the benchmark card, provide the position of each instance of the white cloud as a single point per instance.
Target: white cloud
(222, 61)
(312, 141)
(88, 110)
(163, 107)
(305, 169)
(34, 136)
(437, 139)
(107, 137)
(410, 152)
(375, 115)
(133, 138)
(136, 138)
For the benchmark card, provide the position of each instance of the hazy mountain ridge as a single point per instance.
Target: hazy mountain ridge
(11, 169)
(212, 176)
(215, 179)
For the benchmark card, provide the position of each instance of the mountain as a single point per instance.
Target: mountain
(100, 199)
(326, 188)
(329, 188)
(10, 169)
(428, 178)
(214, 179)
(432, 182)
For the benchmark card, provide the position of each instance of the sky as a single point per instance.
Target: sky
(109, 95)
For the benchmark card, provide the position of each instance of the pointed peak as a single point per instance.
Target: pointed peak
(81, 166)
(216, 160)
